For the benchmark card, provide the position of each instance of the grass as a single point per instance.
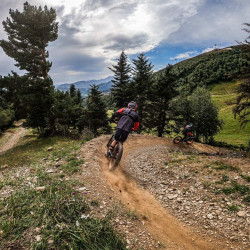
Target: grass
(245, 177)
(233, 208)
(223, 96)
(223, 166)
(57, 212)
(236, 188)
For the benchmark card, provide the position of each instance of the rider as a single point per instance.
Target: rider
(187, 129)
(128, 121)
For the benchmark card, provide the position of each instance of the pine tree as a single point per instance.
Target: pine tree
(72, 90)
(242, 107)
(142, 87)
(39, 98)
(121, 83)
(96, 113)
(163, 91)
(29, 33)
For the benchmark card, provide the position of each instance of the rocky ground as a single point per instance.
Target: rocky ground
(188, 186)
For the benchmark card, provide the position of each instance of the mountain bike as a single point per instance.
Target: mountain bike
(189, 139)
(115, 159)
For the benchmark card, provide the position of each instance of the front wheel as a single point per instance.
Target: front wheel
(117, 153)
(177, 139)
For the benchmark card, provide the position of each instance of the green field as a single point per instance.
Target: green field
(223, 95)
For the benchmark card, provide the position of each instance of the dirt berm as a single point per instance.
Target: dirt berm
(155, 225)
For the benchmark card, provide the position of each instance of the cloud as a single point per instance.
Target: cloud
(215, 22)
(92, 33)
(185, 55)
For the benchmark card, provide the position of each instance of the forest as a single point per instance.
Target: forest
(167, 100)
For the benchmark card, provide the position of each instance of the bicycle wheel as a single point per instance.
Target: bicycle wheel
(177, 139)
(117, 153)
(108, 144)
(190, 140)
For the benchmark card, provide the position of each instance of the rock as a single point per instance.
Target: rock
(50, 241)
(40, 188)
(179, 200)
(51, 170)
(82, 189)
(218, 212)
(171, 197)
(38, 229)
(241, 213)
(58, 164)
(210, 216)
(50, 149)
(58, 159)
(38, 237)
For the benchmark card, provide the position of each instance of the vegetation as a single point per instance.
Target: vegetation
(223, 96)
(141, 89)
(120, 90)
(96, 115)
(29, 33)
(54, 216)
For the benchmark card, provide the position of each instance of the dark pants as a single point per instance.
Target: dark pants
(121, 135)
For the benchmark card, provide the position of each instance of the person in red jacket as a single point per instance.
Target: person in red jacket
(128, 121)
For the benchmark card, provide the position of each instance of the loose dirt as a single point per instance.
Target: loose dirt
(11, 137)
(156, 220)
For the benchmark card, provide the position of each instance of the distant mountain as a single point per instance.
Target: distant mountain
(84, 86)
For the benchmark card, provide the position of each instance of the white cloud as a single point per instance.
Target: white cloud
(184, 55)
(92, 33)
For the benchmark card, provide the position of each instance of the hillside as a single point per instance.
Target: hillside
(211, 67)
(59, 193)
(223, 95)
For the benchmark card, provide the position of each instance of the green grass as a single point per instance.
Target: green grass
(57, 212)
(233, 208)
(236, 188)
(223, 96)
(223, 166)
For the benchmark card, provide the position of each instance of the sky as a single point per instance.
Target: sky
(93, 33)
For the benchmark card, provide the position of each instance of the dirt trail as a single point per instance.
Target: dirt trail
(11, 137)
(163, 226)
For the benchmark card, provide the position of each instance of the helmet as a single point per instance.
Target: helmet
(133, 105)
(191, 124)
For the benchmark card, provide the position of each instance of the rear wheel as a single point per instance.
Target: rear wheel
(177, 139)
(190, 140)
(117, 153)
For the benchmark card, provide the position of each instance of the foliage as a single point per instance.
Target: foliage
(141, 87)
(96, 113)
(211, 67)
(242, 108)
(204, 114)
(121, 84)
(199, 109)
(163, 92)
(29, 33)
(39, 100)
(6, 117)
